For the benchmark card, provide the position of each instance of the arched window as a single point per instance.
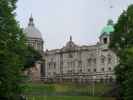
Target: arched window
(49, 65)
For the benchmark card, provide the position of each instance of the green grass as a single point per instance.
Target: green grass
(39, 88)
(64, 88)
(68, 98)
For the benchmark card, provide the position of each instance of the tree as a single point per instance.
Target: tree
(30, 57)
(122, 44)
(14, 54)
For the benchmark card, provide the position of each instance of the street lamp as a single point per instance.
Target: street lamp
(93, 89)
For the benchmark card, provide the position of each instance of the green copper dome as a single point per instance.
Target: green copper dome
(109, 28)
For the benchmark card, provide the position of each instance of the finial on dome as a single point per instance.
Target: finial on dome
(31, 21)
(110, 22)
(70, 38)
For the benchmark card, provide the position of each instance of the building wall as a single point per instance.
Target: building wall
(73, 61)
(84, 61)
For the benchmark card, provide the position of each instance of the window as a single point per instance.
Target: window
(69, 71)
(89, 62)
(94, 61)
(80, 63)
(51, 59)
(109, 59)
(88, 70)
(49, 65)
(103, 69)
(54, 65)
(70, 55)
(105, 40)
(95, 70)
(80, 70)
(109, 68)
(103, 59)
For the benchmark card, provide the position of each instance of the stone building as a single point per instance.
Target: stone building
(35, 40)
(73, 62)
(82, 63)
(34, 37)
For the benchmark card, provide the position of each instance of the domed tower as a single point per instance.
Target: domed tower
(34, 37)
(105, 36)
(35, 40)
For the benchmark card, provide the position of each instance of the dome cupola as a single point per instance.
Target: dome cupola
(31, 31)
(109, 28)
(34, 37)
(105, 34)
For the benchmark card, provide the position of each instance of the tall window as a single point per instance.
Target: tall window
(49, 65)
(94, 60)
(80, 63)
(105, 40)
(109, 59)
(103, 59)
(70, 55)
(103, 69)
(110, 69)
(54, 65)
(89, 62)
(95, 70)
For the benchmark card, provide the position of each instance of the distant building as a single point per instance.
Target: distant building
(82, 63)
(34, 37)
(35, 40)
(73, 62)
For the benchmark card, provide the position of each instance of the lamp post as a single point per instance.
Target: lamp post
(93, 87)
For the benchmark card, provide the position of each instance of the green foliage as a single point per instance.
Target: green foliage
(13, 51)
(30, 57)
(122, 44)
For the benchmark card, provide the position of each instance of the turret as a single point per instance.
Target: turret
(34, 37)
(105, 34)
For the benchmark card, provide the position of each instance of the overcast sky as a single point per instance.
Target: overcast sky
(58, 19)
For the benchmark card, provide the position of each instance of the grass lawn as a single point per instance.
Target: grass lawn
(68, 98)
(64, 88)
